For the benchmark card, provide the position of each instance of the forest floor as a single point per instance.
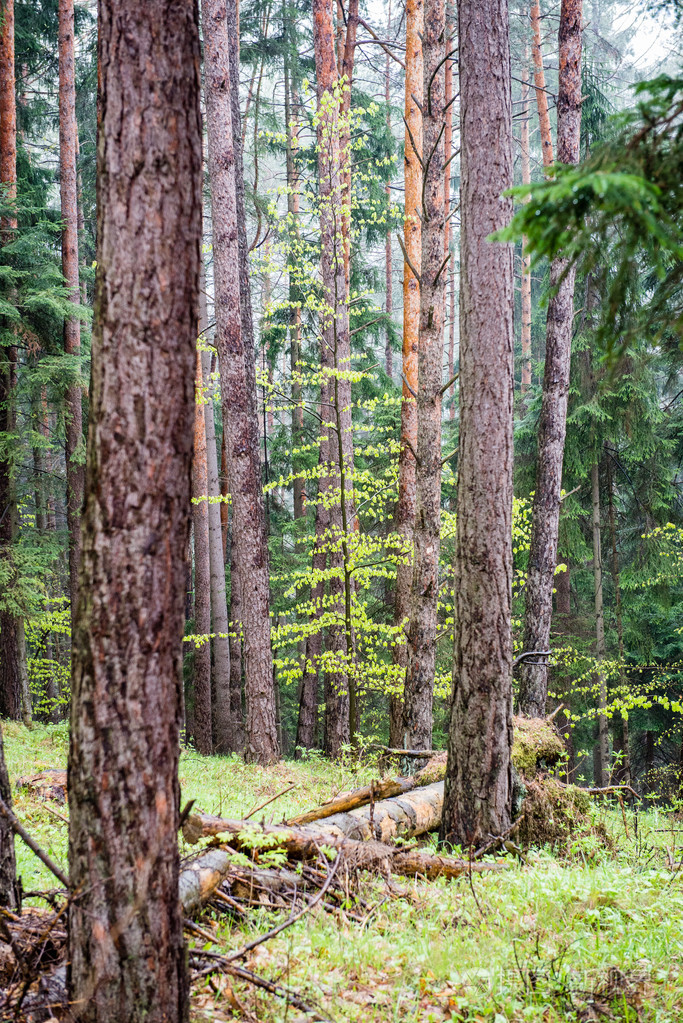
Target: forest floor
(588, 936)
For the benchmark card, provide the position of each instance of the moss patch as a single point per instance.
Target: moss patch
(536, 746)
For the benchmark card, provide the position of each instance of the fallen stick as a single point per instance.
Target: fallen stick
(606, 790)
(20, 830)
(272, 799)
(375, 792)
(220, 962)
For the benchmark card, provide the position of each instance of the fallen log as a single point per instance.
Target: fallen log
(409, 815)
(375, 792)
(202, 876)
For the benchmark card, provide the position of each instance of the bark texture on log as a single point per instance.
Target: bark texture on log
(126, 955)
(404, 521)
(552, 427)
(202, 876)
(408, 815)
(235, 343)
(419, 688)
(478, 798)
(68, 190)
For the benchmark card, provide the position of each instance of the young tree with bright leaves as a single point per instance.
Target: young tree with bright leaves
(340, 707)
(552, 428)
(478, 785)
(202, 730)
(126, 955)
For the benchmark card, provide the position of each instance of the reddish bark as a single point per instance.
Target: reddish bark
(419, 688)
(10, 624)
(68, 190)
(526, 259)
(126, 955)
(404, 521)
(539, 82)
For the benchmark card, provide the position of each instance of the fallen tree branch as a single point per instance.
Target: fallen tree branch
(20, 830)
(372, 793)
(221, 962)
(293, 918)
(203, 875)
(267, 802)
(375, 791)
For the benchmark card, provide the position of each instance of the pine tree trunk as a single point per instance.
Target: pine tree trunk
(336, 354)
(601, 752)
(539, 84)
(295, 298)
(478, 794)
(388, 269)
(419, 689)
(235, 344)
(404, 521)
(545, 521)
(202, 574)
(563, 592)
(225, 730)
(620, 723)
(68, 189)
(126, 954)
(10, 888)
(10, 668)
(526, 259)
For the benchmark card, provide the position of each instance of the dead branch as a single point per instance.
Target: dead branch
(20, 830)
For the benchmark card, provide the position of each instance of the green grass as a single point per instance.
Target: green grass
(591, 937)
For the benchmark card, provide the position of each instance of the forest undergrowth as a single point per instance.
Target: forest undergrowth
(586, 935)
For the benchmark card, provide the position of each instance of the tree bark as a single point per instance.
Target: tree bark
(235, 344)
(10, 888)
(526, 259)
(621, 733)
(419, 689)
(202, 731)
(295, 296)
(68, 190)
(388, 268)
(126, 955)
(552, 429)
(404, 521)
(225, 730)
(601, 752)
(478, 799)
(539, 84)
(10, 671)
